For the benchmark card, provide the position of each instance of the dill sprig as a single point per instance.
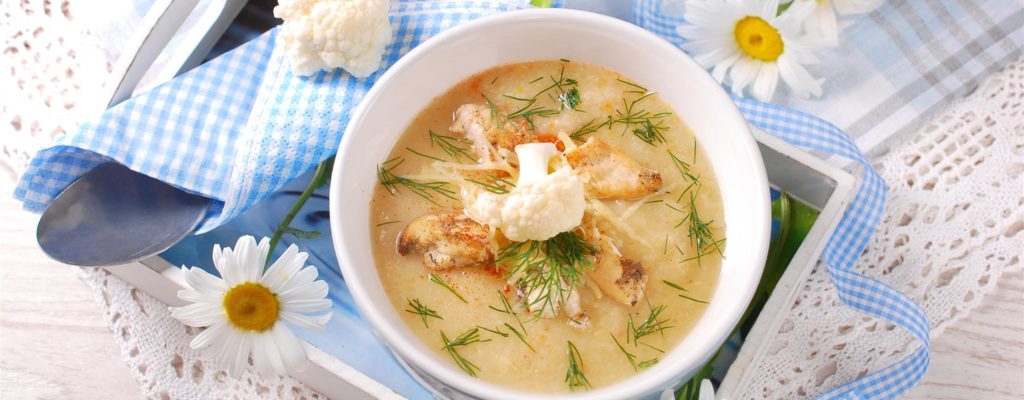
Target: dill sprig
(684, 170)
(495, 184)
(496, 331)
(530, 110)
(454, 147)
(388, 223)
(550, 268)
(650, 133)
(698, 230)
(636, 88)
(466, 338)
(440, 281)
(519, 335)
(590, 127)
(427, 190)
(647, 363)
(417, 308)
(507, 309)
(424, 155)
(682, 291)
(574, 374)
(651, 325)
(629, 356)
(648, 126)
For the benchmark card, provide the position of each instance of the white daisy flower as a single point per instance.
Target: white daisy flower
(748, 41)
(244, 311)
(824, 20)
(706, 392)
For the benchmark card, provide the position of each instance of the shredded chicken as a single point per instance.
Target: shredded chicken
(447, 241)
(477, 122)
(609, 173)
(620, 278)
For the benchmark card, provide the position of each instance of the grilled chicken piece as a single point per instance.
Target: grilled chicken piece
(609, 173)
(477, 122)
(618, 277)
(447, 240)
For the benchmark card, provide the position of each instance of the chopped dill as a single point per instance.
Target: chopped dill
(494, 80)
(683, 290)
(665, 250)
(550, 268)
(647, 126)
(423, 155)
(417, 308)
(570, 98)
(629, 356)
(651, 325)
(429, 191)
(574, 374)
(528, 112)
(495, 184)
(440, 281)
(496, 114)
(564, 60)
(496, 331)
(539, 78)
(520, 336)
(650, 133)
(680, 250)
(387, 223)
(648, 363)
(589, 128)
(507, 309)
(466, 338)
(654, 201)
(639, 89)
(452, 146)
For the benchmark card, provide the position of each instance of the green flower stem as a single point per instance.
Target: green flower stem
(320, 177)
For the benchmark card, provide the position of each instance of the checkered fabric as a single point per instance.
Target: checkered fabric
(851, 235)
(237, 127)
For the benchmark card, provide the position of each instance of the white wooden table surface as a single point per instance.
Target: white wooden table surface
(54, 344)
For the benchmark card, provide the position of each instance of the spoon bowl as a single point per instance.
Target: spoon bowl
(113, 215)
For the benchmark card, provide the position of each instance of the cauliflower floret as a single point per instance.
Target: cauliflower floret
(541, 205)
(327, 34)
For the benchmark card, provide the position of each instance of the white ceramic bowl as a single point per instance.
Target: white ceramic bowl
(443, 61)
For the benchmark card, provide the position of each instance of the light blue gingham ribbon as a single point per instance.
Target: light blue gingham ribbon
(851, 235)
(240, 126)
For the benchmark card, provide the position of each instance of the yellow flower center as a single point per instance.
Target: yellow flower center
(758, 39)
(251, 306)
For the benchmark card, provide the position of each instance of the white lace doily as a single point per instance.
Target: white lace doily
(952, 227)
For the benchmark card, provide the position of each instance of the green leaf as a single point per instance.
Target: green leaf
(301, 234)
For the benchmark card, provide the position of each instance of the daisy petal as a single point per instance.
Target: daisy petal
(284, 268)
(314, 290)
(306, 306)
(199, 314)
(203, 281)
(742, 74)
(798, 79)
(194, 296)
(290, 347)
(214, 334)
(270, 363)
(766, 82)
(316, 322)
(299, 280)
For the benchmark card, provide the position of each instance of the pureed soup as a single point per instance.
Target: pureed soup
(464, 215)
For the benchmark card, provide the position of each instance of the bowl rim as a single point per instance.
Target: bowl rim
(416, 353)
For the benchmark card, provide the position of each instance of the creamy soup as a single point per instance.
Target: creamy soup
(642, 261)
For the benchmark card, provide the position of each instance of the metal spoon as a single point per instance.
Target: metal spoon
(113, 215)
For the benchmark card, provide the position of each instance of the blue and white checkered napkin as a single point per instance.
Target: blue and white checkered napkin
(238, 127)
(851, 235)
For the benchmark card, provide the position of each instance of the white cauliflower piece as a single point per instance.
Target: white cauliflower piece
(327, 34)
(541, 205)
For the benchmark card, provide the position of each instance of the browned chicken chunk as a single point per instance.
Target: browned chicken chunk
(477, 122)
(447, 241)
(609, 173)
(618, 277)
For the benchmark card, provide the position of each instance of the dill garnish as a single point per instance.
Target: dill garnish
(495, 184)
(574, 374)
(451, 146)
(589, 128)
(494, 80)
(698, 230)
(496, 331)
(652, 324)
(683, 290)
(649, 133)
(427, 190)
(629, 356)
(423, 154)
(564, 60)
(496, 115)
(440, 281)
(519, 335)
(423, 311)
(467, 338)
(387, 223)
(647, 126)
(570, 98)
(539, 78)
(507, 309)
(647, 363)
(529, 111)
(548, 269)
(639, 89)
